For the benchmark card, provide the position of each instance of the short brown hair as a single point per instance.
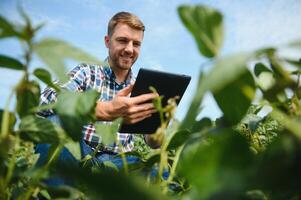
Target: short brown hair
(127, 18)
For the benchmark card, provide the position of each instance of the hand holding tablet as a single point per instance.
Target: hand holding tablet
(167, 85)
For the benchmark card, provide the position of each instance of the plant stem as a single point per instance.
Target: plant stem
(173, 168)
(123, 158)
(5, 118)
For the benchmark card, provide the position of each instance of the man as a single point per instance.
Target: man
(114, 81)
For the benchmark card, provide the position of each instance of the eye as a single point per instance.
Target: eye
(137, 44)
(122, 40)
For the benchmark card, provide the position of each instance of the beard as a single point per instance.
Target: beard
(122, 61)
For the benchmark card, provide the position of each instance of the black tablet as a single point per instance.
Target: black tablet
(167, 84)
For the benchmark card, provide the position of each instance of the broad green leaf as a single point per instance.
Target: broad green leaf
(224, 71)
(41, 130)
(54, 52)
(7, 29)
(206, 26)
(235, 98)
(10, 63)
(45, 76)
(74, 149)
(28, 94)
(259, 68)
(218, 164)
(178, 139)
(117, 186)
(278, 168)
(108, 131)
(75, 110)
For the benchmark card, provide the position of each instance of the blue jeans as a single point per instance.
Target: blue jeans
(66, 157)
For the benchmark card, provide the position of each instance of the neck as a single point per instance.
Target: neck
(120, 74)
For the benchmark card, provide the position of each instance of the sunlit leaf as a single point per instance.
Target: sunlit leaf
(75, 110)
(40, 130)
(45, 76)
(224, 71)
(74, 149)
(54, 52)
(235, 98)
(108, 131)
(28, 94)
(206, 26)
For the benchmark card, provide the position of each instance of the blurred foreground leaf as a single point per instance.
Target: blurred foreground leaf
(10, 63)
(76, 110)
(235, 98)
(41, 130)
(28, 97)
(53, 53)
(206, 26)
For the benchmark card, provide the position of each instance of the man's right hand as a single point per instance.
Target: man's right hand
(132, 109)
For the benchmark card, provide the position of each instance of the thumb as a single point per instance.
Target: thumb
(125, 91)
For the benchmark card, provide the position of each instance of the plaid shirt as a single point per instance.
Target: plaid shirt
(102, 79)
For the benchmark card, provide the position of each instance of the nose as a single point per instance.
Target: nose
(129, 48)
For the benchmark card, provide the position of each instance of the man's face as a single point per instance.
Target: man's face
(124, 46)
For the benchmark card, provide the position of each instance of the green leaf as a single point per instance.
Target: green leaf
(74, 149)
(45, 76)
(41, 130)
(259, 68)
(221, 163)
(119, 186)
(11, 120)
(178, 139)
(206, 26)
(152, 159)
(235, 98)
(75, 110)
(7, 29)
(108, 131)
(10, 63)
(28, 97)
(224, 71)
(54, 52)
(200, 125)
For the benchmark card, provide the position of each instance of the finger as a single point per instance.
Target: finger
(141, 107)
(125, 91)
(141, 114)
(143, 98)
(137, 119)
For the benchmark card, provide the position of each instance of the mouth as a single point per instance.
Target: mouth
(126, 58)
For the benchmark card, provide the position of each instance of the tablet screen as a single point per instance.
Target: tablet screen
(167, 85)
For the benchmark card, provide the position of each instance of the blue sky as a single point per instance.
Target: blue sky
(167, 44)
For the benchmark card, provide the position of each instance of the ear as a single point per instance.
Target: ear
(107, 41)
